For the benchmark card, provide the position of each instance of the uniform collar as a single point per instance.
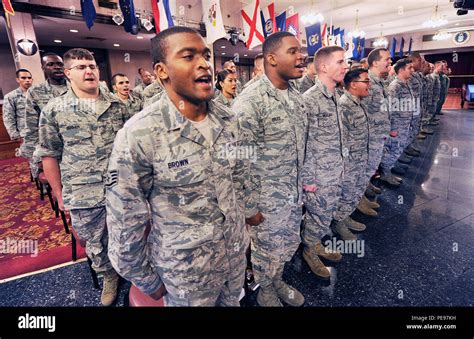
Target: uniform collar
(323, 88)
(174, 120)
(271, 89)
(353, 98)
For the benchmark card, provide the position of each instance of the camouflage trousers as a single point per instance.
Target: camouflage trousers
(90, 226)
(216, 281)
(440, 104)
(415, 127)
(354, 183)
(27, 153)
(320, 208)
(395, 145)
(274, 242)
(376, 150)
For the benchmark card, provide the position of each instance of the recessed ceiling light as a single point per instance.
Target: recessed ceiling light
(73, 31)
(245, 55)
(116, 45)
(223, 53)
(57, 41)
(222, 46)
(139, 37)
(457, 24)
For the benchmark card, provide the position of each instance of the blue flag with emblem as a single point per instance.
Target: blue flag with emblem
(362, 48)
(88, 12)
(393, 47)
(281, 22)
(313, 37)
(130, 23)
(402, 44)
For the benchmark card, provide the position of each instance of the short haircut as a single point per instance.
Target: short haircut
(227, 63)
(401, 64)
(363, 60)
(273, 42)
(115, 76)
(140, 70)
(221, 77)
(48, 54)
(352, 75)
(159, 44)
(323, 53)
(77, 54)
(375, 55)
(17, 73)
(416, 55)
(259, 56)
(309, 60)
(438, 62)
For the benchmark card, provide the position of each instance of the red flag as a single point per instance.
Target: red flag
(7, 7)
(293, 26)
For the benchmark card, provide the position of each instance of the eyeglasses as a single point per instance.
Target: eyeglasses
(366, 81)
(83, 67)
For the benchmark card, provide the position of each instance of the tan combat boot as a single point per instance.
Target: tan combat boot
(374, 188)
(327, 254)
(109, 290)
(287, 293)
(371, 204)
(354, 225)
(268, 297)
(364, 208)
(389, 179)
(313, 261)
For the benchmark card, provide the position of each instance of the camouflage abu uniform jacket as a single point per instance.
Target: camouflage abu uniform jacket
(326, 147)
(162, 163)
(277, 130)
(14, 113)
(80, 135)
(37, 97)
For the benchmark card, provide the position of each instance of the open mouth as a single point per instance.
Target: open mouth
(59, 74)
(204, 80)
(89, 79)
(300, 66)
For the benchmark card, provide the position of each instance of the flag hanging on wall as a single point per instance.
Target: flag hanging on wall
(212, 16)
(356, 51)
(8, 9)
(393, 47)
(281, 21)
(362, 48)
(293, 26)
(402, 44)
(269, 20)
(130, 23)
(253, 24)
(88, 12)
(162, 15)
(313, 37)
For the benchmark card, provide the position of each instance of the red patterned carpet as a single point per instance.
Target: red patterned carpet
(31, 237)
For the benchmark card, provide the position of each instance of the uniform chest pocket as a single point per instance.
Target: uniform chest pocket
(325, 121)
(77, 135)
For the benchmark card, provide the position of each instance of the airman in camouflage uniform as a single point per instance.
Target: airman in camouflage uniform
(14, 105)
(121, 87)
(153, 89)
(183, 180)
(146, 81)
(307, 81)
(36, 99)
(78, 135)
(436, 93)
(428, 88)
(323, 168)
(355, 132)
(416, 87)
(274, 123)
(221, 99)
(402, 109)
(444, 83)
